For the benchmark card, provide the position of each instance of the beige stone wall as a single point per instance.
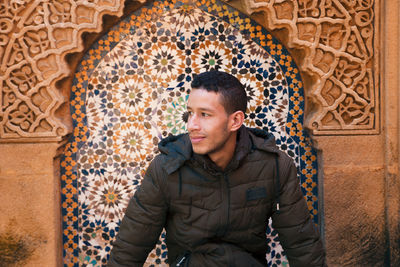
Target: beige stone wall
(354, 189)
(359, 163)
(30, 224)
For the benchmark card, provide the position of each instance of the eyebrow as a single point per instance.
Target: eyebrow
(202, 109)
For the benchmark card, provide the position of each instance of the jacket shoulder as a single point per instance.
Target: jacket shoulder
(284, 158)
(282, 161)
(156, 169)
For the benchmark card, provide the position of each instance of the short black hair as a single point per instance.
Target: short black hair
(233, 93)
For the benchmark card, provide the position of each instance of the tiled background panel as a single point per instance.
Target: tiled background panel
(130, 91)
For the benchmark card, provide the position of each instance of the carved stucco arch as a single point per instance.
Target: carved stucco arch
(337, 37)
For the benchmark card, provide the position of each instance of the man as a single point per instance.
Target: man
(214, 190)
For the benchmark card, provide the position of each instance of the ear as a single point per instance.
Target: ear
(236, 120)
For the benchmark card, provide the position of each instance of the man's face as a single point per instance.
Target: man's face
(209, 125)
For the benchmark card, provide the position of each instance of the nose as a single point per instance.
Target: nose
(193, 123)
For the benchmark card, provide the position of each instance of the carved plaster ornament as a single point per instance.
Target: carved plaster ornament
(35, 36)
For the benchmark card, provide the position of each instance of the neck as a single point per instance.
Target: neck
(224, 156)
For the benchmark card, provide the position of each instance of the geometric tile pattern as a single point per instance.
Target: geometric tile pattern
(130, 91)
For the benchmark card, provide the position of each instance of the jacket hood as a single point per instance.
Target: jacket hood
(263, 140)
(178, 148)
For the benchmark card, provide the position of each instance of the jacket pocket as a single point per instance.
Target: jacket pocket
(257, 206)
(255, 193)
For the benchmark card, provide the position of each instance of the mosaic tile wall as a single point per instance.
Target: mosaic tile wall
(130, 91)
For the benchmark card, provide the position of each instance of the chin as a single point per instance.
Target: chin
(199, 151)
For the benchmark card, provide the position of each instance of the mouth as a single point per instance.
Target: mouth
(196, 139)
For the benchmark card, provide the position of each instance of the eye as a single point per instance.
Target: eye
(185, 116)
(205, 114)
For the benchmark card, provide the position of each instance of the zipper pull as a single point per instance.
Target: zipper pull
(180, 262)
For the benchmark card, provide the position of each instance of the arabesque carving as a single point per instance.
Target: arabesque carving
(338, 38)
(34, 38)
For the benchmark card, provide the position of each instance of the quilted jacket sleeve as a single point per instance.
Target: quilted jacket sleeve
(143, 222)
(297, 233)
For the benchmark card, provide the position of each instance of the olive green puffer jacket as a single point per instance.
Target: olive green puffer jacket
(214, 217)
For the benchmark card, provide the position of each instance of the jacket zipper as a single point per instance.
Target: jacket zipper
(226, 199)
